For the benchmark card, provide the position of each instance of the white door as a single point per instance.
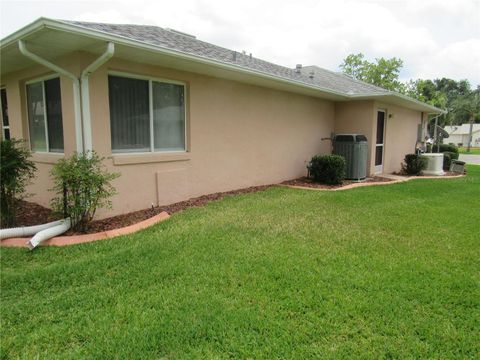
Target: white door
(380, 142)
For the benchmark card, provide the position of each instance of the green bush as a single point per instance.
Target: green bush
(443, 148)
(448, 156)
(82, 185)
(328, 169)
(414, 164)
(16, 170)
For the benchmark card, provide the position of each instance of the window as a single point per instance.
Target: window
(146, 115)
(5, 123)
(45, 115)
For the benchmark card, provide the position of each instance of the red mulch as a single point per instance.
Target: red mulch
(29, 213)
(307, 182)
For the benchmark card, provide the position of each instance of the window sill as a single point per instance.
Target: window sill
(46, 158)
(131, 159)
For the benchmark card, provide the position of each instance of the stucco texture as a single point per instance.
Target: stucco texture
(238, 135)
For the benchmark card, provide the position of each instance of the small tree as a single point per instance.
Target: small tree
(16, 170)
(82, 185)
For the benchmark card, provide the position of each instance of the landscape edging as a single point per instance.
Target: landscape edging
(356, 185)
(86, 238)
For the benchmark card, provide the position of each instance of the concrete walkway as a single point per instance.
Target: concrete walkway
(470, 159)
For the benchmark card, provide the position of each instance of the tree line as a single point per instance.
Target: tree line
(461, 101)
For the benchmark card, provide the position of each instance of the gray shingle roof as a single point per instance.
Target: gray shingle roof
(173, 40)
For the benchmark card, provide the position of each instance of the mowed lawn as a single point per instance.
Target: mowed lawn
(376, 272)
(473, 150)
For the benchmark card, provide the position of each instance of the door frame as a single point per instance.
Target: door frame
(378, 169)
(3, 126)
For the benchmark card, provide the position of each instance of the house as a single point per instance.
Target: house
(460, 134)
(179, 117)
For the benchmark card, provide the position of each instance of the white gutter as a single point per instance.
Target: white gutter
(76, 90)
(85, 93)
(102, 35)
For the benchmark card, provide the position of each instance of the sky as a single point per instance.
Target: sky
(434, 38)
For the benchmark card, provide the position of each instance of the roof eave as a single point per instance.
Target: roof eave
(35, 26)
(101, 35)
(430, 109)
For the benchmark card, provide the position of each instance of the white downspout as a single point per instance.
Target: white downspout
(76, 90)
(87, 122)
(83, 134)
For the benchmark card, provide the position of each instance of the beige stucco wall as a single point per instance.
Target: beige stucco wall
(401, 127)
(358, 117)
(401, 131)
(238, 136)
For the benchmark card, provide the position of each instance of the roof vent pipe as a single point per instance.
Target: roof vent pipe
(234, 53)
(298, 68)
(311, 75)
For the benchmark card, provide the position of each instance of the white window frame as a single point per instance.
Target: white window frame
(151, 79)
(1, 116)
(42, 79)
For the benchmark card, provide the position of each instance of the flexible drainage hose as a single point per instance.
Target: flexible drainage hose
(49, 233)
(27, 230)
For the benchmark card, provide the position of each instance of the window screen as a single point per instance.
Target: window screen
(129, 114)
(134, 111)
(44, 105)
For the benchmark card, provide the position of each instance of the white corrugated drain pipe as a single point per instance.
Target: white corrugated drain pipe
(49, 233)
(26, 230)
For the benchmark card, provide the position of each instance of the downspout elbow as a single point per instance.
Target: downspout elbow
(99, 61)
(76, 89)
(87, 123)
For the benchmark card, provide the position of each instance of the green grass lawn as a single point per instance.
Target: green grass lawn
(473, 151)
(375, 272)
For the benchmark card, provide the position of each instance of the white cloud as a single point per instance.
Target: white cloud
(435, 38)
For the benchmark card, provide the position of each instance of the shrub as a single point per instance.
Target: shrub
(16, 170)
(414, 164)
(82, 185)
(448, 147)
(328, 169)
(443, 147)
(448, 156)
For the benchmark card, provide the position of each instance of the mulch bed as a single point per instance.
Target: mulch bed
(29, 213)
(307, 182)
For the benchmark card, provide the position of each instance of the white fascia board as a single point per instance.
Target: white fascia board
(430, 108)
(21, 33)
(105, 36)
